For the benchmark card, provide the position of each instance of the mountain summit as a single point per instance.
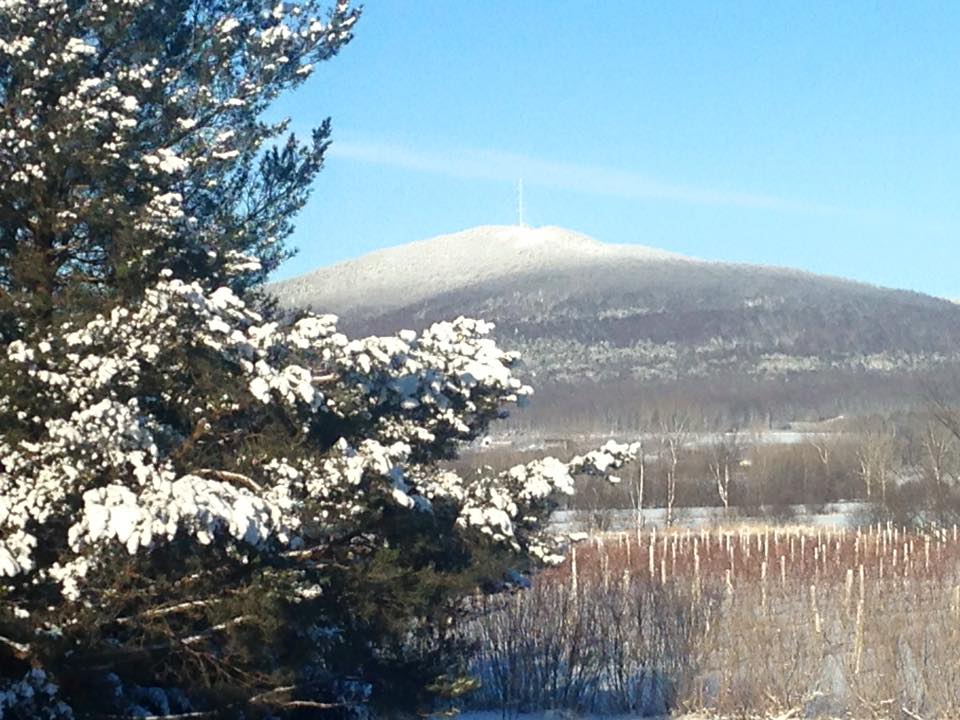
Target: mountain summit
(419, 270)
(606, 328)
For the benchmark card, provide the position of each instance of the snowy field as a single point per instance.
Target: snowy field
(843, 514)
(527, 442)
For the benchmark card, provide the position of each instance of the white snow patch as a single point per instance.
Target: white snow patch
(415, 271)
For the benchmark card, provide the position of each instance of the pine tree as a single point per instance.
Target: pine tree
(204, 509)
(131, 140)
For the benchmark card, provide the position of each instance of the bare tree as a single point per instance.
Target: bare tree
(937, 445)
(866, 469)
(940, 449)
(724, 455)
(636, 489)
(942, 411)
(936, 465)
(673, 437)
(823, 445)
(938, 455)
(876, 456)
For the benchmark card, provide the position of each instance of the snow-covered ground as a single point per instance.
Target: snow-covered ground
(693, 440)
(842, 514)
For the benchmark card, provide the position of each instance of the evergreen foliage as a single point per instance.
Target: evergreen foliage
(205, 510)
(131, 141)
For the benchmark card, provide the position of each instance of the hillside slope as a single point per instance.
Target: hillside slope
(617, 323)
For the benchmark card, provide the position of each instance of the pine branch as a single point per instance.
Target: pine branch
(178, 716)
(20, 650)
(264, 699)
(239, 620)
(170, 609)
(231, 477)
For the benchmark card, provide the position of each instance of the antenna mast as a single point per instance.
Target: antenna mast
(520, 203)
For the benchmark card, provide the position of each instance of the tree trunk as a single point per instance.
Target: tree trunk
(641, 472)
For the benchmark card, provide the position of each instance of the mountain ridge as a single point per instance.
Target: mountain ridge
(459, 259)
(371, 266)
(628, 321)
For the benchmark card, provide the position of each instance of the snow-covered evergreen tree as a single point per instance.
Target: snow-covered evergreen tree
(205, 511)
(131, 141)
(248, 514)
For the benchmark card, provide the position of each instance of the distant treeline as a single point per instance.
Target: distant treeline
(906, 464)
(732, 401)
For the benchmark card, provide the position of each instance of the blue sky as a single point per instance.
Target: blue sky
(819, 135)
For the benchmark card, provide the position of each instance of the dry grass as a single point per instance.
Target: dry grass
(752, 622)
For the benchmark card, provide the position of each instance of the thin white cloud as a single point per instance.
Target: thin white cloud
(507, 167)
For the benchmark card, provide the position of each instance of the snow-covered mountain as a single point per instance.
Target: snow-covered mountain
(411, 273)
(619, 325)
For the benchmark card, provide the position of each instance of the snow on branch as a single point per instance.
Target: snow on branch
(111, 449)
(188, 429)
